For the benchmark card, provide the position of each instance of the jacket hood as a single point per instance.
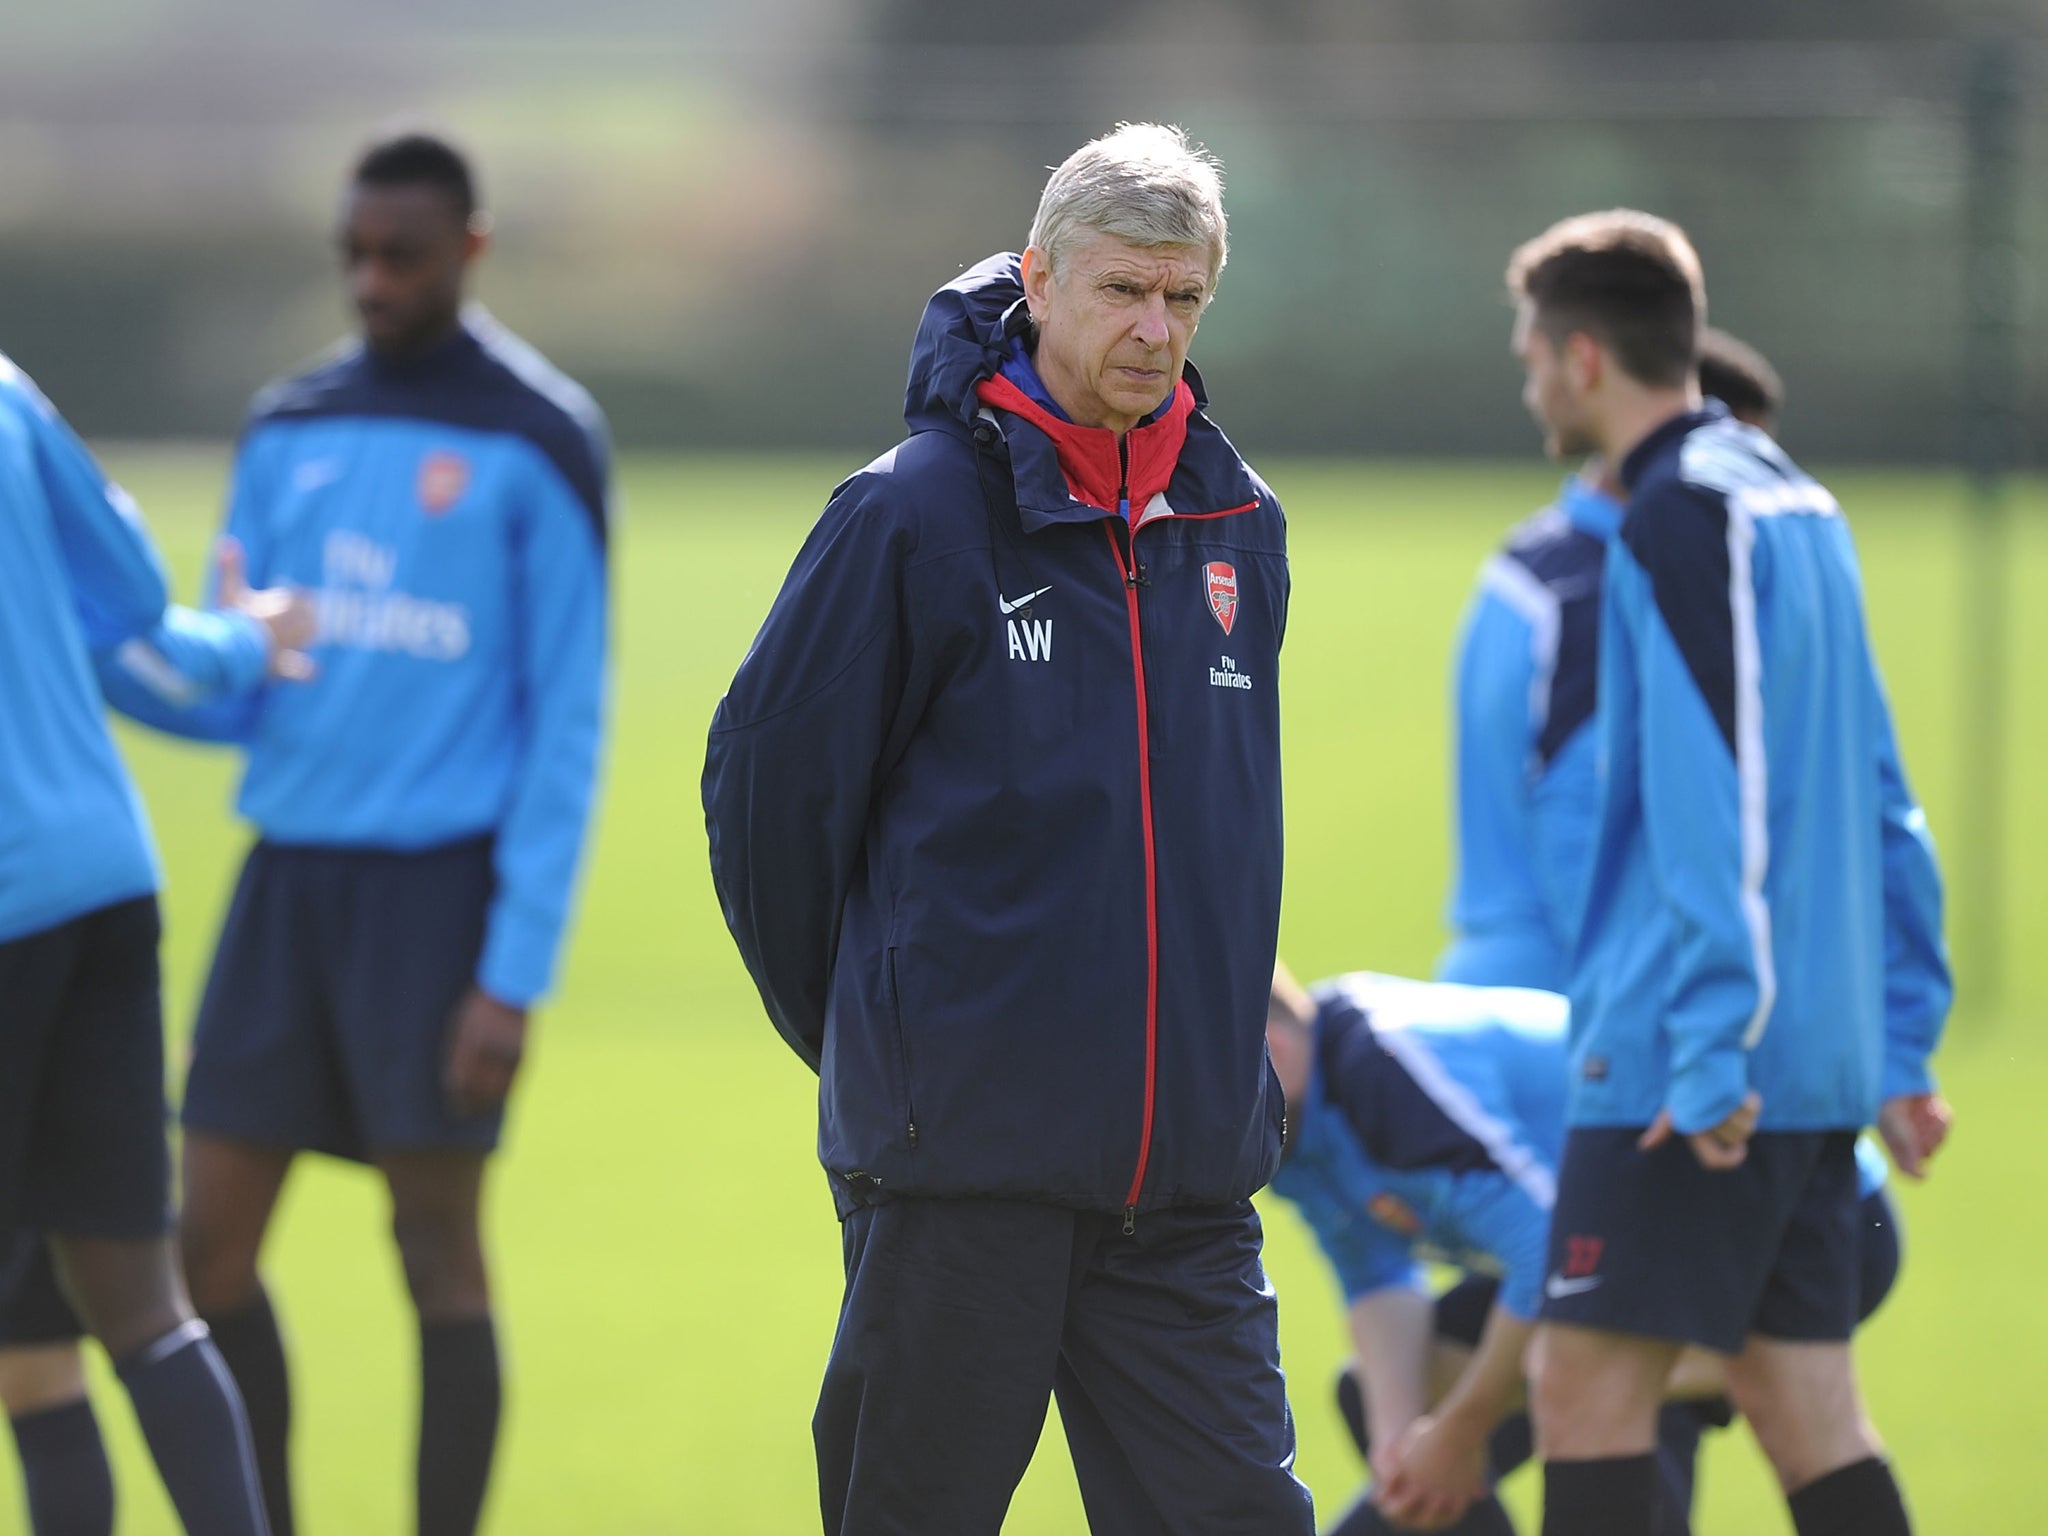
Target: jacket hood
(965, 332)
(961, 339)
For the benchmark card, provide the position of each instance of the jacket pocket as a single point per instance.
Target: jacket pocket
(909, 1103)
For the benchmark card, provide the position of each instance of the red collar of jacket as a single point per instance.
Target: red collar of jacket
(1088, 455)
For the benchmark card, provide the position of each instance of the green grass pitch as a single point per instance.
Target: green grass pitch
(667, 1257)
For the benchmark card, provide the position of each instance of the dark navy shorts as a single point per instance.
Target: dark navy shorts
(82, 1113)
(325, 1023)
(1880, 1248)
(32, 1305)
(1653, 1243)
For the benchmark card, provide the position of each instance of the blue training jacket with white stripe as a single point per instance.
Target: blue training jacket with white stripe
(1526, 786)
(449, 513)
(994, 799)
(80, 579)
(1764, 909)
(1430, 1129)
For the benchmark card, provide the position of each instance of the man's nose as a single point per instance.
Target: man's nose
(1150, 326)
(368, 280)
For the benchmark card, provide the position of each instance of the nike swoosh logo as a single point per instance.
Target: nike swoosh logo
(1557, 1287)
(1023, 602)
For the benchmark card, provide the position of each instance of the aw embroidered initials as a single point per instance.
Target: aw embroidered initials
(1031, 639)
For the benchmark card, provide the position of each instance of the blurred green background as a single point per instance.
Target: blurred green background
(722, 215)
(668, 1260)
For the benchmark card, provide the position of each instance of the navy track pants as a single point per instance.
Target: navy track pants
(962, 1317)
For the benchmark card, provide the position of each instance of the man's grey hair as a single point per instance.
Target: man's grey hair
(1144, 184)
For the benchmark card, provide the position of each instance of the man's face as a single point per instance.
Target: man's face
(406, 251)
(1114, 328)
(1552, 387)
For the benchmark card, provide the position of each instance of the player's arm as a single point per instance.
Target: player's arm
(1440, 1463)
(117, 579)
(1509, 1218)
(823, 702)
(1389, 1311)
(1393, 1328)
(1680, 587)
(561, 627)
(1918, 988)
(1486, 1391)
(215, 656)
(1496, 673)
(189, 675)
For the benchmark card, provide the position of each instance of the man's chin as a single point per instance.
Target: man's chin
(1563, 447)
(1139, 403)
(393, 337)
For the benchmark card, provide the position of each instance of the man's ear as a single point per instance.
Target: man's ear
(1585, 360)
(1037, 281)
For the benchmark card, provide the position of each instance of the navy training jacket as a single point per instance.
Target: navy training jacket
(994, 799)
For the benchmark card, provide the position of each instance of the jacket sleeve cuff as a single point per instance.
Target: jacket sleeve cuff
(1903, 1078)
(249, 660)
(516, 966)
(1708, 1092)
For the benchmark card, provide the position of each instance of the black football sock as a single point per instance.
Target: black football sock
(460, 1398)
(192, 1418)
(1861, 1499)
(1513, 1442)
(1678, 1449)
(1613, 1496)
(1716, 1412)
(1485, 1518)
(64, 1471)
(250, 1342)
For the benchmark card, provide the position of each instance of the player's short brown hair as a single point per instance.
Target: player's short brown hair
(1740, 377)
(1630, 280)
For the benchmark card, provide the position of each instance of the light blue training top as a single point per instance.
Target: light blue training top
(79, 577)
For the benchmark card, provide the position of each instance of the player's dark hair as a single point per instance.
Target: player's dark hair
(415, 158)
(1630, 280)
(1739, 376)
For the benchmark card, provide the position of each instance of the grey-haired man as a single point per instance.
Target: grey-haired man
(994, 806)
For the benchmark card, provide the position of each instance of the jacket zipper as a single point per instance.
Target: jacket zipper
(1134, 576)
(902, 1047)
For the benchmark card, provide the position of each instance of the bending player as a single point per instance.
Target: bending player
(1425, 1120)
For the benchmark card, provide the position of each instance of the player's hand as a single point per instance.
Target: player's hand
(1435, 1475)
(1384, 1458)
(1720, 1147)
(286, 613)
(486, 1040)
(1914, 1125)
